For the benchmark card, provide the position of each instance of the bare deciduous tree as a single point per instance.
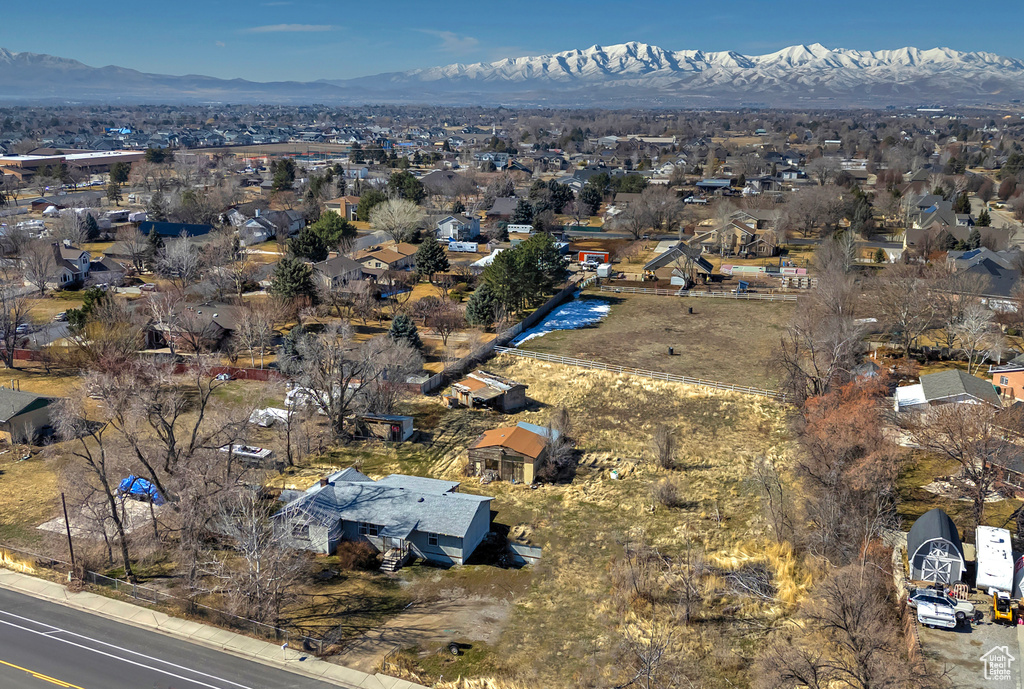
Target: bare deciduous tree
(39, 264)
(179, 261)
(261, 578)
(663, 447)
(972, 436)
(397, 217)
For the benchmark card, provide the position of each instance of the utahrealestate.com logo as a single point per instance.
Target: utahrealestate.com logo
(997, 663)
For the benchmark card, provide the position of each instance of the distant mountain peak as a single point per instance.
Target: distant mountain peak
(626, 74)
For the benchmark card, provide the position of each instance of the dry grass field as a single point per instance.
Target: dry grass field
(561, 620)
(723, 339)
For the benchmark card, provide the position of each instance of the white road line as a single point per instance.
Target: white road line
(123, 660)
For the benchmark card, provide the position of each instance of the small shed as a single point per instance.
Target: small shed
(484, 389)
(390, 427)
(934, 550)
(514, 454)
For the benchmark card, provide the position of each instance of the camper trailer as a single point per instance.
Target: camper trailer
(995, 560)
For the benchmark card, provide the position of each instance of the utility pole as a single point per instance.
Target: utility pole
(67, 526)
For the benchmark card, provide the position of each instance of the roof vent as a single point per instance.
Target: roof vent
(420, 500)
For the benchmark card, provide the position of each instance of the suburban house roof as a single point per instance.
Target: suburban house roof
(955, 383)
(679, 252)
(399, 504)
(996, 268)
(525, 441)
(15, 402)
(504, 205)
(337, 266)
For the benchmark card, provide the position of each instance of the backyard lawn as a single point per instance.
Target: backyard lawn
(724, 340)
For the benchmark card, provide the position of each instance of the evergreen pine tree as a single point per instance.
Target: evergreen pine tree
(481, 307)
(523, 214)
(431, 258)
(156, 209)
(984, 219)
(92, 228)
(332, 228)
(292, 278)
(974, 239)
(404, 330)
(458, 207)
(309, 244)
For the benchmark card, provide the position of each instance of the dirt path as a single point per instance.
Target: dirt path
(429, 626)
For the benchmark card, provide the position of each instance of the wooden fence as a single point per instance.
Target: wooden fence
(746, 296)
(654, 375)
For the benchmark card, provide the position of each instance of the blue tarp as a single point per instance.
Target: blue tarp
(133, 485)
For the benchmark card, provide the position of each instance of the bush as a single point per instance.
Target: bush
(666, 493)
(356, 555)
(1012, 332)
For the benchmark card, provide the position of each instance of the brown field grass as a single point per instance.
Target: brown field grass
(564, 619)
(724, 340)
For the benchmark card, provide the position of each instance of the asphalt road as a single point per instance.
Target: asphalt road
(43, 645)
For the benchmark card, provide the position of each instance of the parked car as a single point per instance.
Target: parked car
(61, 317)
(590, 265)
(960, 609)
(936, 615)
(23, 329)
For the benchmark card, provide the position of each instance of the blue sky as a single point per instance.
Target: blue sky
(308, 40)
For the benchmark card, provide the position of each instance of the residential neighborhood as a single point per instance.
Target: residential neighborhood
(481, 397)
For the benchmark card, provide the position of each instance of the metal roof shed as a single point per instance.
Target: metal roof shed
(934, 550)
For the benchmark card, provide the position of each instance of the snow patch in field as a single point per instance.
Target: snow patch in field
(572, 315)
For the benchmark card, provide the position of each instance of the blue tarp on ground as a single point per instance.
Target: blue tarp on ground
(133, 485)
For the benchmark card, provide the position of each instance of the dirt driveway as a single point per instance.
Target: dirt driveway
(967, 653)
(429, 626)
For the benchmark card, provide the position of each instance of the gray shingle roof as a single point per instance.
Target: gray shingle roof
(954, 382)
(14, 402)
(400, 504)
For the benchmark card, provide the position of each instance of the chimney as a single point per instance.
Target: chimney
(323, 482)
(257, 212)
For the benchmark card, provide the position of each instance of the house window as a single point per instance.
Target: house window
(432, 539)
(367, 529)
(300, 531)
(1003, 380)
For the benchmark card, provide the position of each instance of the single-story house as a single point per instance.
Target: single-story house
(952, 386)
(23, 415)
(458, 228)
(393, 257)
(401, 516)
(199, 326)
(504, 208)
(934, 550)
(288, 222)
(106, 270)
(515, 453)
(483, 389)
(337, 272)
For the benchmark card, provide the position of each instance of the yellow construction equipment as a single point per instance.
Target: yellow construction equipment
(1002, 608)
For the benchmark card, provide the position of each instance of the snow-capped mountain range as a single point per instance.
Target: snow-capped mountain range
(628, 74)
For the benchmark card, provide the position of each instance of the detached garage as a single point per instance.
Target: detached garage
(934, 551)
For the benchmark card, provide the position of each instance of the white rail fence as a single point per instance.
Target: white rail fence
(654, 375)
(690, 293)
